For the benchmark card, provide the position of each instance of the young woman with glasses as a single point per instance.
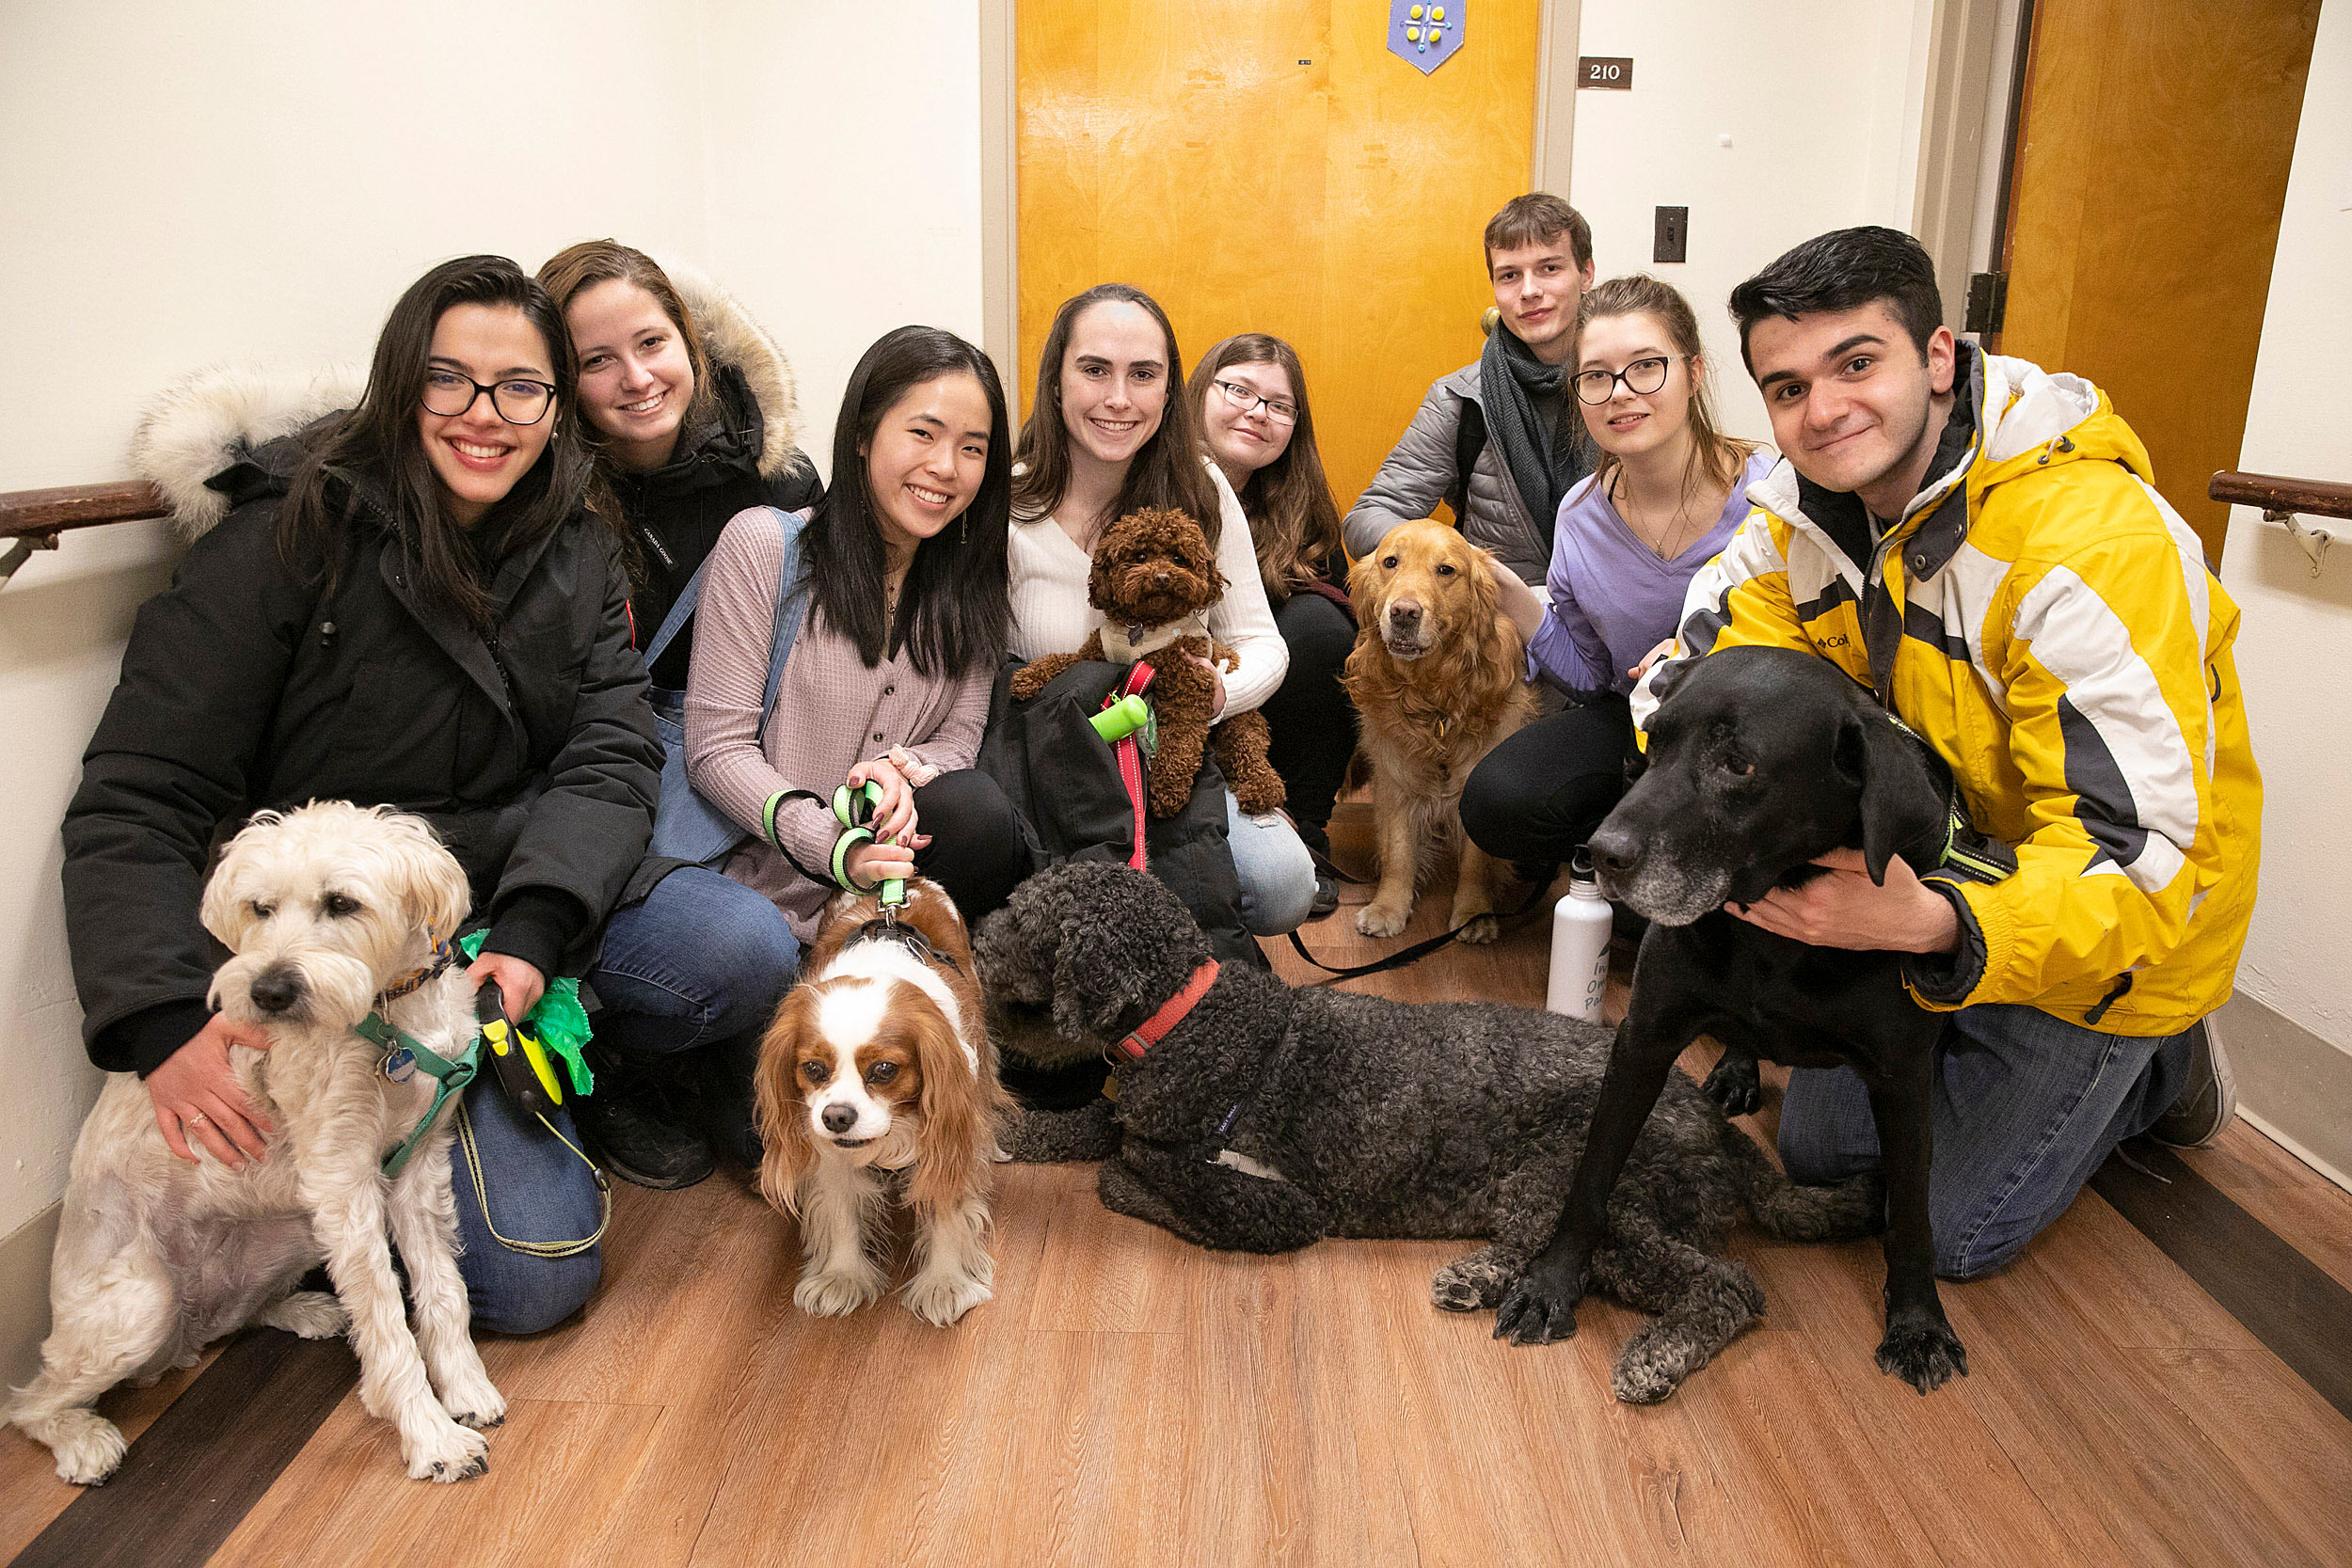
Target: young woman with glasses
(1666, 494)
(408, 603)
(689, 409)
(1250, 393)
(1108, 433)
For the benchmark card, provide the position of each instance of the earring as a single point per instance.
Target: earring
(963, 530)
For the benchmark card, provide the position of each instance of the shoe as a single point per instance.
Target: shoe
(626, 1129)
(1326, 897)
(2209, 1099)
(725, 1109)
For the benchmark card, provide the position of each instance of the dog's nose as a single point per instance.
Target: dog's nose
(277, 989)
(839, 1119)
(1159, 579)
(1615, 851)
(1405, 614)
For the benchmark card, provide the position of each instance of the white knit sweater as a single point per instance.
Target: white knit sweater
(1050, 612)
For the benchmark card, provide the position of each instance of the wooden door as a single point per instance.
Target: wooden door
(2151, 169)
(1272, 167)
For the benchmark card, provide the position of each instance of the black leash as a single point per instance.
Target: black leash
(1418, 951)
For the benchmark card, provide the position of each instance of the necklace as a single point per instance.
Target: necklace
(1665, 547)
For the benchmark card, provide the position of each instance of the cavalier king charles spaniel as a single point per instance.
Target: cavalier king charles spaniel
(877, 1084)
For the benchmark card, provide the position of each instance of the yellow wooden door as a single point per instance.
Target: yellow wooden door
(1272, 167)
(2152, 168)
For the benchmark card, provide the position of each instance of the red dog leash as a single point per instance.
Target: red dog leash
(1129, 752)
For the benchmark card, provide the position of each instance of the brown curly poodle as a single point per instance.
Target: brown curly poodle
(1156, 579)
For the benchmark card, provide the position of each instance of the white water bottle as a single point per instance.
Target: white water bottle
(1581, 925)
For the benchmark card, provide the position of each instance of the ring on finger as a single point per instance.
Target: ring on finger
(197, 1120)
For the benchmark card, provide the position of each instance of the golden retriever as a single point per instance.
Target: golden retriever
(1437, 676)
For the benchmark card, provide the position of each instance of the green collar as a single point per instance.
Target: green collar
(450, 1075)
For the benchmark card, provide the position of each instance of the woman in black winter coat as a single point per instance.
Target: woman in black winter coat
(408, 605)
(691, 410)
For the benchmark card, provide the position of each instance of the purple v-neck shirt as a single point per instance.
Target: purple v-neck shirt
(1613, 600)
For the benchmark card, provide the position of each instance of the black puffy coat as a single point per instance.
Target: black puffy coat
(747, 455)
(249, 683)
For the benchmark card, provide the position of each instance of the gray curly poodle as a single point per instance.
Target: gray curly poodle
(1265, 1119)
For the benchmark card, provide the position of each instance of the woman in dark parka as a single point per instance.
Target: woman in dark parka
(407, 604)
(690, 409)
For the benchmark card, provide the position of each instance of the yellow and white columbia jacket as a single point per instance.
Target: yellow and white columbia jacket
(2048, 623)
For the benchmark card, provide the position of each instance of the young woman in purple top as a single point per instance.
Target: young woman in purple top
(1668, 491)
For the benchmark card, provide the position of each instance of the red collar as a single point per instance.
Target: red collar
(1153, 1029)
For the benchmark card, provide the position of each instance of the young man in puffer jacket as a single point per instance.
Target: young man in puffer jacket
(1978, 541)
(1499, 440)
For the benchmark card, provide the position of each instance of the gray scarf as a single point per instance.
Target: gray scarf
(1510, 379)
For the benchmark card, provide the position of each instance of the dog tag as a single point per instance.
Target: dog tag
(399, 1065)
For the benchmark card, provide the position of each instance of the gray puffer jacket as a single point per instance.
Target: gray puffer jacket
(1421, 472)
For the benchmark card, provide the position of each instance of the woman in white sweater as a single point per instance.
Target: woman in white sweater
(1109, 433)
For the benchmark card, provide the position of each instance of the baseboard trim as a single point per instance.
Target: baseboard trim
(24, 1294)
(2292, 1084)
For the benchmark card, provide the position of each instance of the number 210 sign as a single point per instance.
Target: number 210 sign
(1608, 72)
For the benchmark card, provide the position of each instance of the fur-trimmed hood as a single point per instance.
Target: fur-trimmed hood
(209, 420)
(733, 340)
(214, 418)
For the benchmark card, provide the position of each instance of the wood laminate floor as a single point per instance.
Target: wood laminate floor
(1126, 1398)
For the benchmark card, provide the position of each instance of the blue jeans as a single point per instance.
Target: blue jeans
(1277, 876)
(702, 959)
(538, 1191)
(2026, 1107)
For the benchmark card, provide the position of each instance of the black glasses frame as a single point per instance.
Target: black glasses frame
(492, 389)
(1249, 402)
(1664, 361)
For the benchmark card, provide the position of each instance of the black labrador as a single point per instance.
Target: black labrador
(1761, 759)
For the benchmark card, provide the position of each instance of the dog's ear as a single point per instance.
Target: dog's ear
(223, 909)
(1899, 802)
(954, 1114)
(786, 1144)
(434, 891)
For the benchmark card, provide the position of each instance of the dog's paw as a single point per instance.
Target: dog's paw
(1469, 1284)
(1381, 920)
(473, 1400)
(1478, 928)
(838, 1294)
(310, 1314)
(1924, 1355)
(1643, 1379)
(1539, 1308)
(86, 1445)
(940, 1299)
(439, 1450)
(1735, 1087)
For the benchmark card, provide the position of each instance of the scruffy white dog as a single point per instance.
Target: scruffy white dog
(330, 911)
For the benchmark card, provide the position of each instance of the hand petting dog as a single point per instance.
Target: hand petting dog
(1843, 907)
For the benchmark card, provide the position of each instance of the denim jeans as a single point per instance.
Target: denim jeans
(1277, 876)
(2026, 1107)
(538, 1191)
(703, 958)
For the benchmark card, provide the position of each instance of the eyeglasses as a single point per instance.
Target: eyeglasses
(518, 402)
(1244, 400)
(1642, 378)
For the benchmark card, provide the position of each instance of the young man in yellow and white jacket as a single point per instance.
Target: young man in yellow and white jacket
(1977, 539)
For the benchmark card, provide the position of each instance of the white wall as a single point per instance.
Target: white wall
(1820, 100)
(258, 183)
(843, 177)
(2295, 641)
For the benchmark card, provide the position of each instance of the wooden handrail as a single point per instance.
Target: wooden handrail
(2316, 497)
(42, 514)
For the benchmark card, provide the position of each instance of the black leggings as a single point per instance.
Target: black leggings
(977, 851)
(1544, 791)
(1312, 722)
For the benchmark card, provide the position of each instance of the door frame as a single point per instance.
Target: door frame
(1558, 26)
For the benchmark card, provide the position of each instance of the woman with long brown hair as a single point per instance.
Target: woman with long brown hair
(1666, 495)
(689, 407)
(1250, 393)
(1109, 433)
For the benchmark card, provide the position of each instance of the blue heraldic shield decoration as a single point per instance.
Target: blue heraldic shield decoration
(1424, 34)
